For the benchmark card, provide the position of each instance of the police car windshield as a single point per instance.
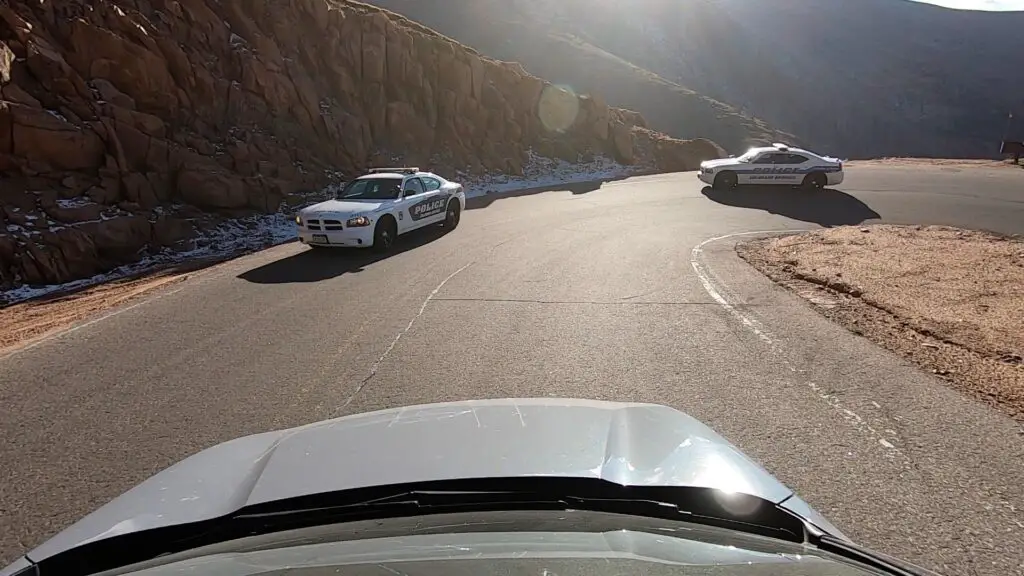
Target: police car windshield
(749, 155)
(372, 189)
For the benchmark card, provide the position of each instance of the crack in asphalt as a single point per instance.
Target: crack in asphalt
(376, 365)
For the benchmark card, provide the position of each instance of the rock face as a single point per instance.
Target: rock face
(121, 119)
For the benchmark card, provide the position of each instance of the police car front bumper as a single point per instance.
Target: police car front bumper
(706, 177)
(354, 237)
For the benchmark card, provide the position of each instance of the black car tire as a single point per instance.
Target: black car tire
(725, 181)
(452, 215)
(384, 235)
(815, 181)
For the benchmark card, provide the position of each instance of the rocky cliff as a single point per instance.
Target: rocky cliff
(863, 79)
(126, 124)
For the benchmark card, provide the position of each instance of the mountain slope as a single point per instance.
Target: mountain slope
(513, 30)
(127, 127)
(856, 78)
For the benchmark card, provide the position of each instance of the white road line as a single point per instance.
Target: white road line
(376, 365)
(704, 274)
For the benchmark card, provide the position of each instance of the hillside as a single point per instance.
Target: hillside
(857, 79)
(530, 32)
(129, 129)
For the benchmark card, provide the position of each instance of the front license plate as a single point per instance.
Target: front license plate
(320, 238)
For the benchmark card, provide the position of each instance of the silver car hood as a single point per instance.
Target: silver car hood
(630, 444)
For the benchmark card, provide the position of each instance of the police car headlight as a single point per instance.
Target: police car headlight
(298, 220)
(358, 221)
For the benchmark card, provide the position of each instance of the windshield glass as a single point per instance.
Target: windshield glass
(749, 155)
(531, 543)
(372, 189)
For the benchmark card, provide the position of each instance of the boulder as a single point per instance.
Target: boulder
(6, 59)
(137, 189)
(44, 136)
(168, 231)
(118, 240)
(622, 139)
(176, 108)
(111, 94)
(206, 186)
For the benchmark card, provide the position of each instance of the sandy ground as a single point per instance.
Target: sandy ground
(949, 300)
(21, 324)
(954, 162)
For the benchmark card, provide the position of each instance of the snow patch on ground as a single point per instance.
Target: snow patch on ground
(73, 202)
(541, 172)
(231, 238)
(235, 237)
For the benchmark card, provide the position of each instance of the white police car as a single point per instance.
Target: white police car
(373, 210)
(776, 164)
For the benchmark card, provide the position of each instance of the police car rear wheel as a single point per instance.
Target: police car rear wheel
(816, 181)
(453, 215)
(725, 180)
(384, 235)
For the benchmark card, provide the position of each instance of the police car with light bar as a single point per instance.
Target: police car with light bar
(374, 209)
(778, 164)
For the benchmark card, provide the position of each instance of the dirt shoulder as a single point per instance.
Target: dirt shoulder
(949, 162)
(949, 300)
(23, 323)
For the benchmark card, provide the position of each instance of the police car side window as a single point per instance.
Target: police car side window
(413, 186)
(770, 159)
(796, 159)
(430, 183)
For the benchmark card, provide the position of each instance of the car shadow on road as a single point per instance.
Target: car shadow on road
(576, 188)
(828, 207)
(313, 265)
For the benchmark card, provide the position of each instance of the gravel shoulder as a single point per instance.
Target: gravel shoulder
(941, 162)
(947, 299)
(26, 322)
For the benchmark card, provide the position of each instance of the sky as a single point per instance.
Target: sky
(980, 4)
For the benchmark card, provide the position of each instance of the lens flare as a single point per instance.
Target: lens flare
(558, 108)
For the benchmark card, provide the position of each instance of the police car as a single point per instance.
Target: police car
(776, 164)
(373, 210)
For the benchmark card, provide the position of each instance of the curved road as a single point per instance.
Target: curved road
(596, 291)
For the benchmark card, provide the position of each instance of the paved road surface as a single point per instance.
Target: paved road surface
(595, 292)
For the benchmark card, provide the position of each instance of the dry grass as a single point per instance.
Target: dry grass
(950, 300)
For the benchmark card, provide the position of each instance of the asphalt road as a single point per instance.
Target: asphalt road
(596, 291)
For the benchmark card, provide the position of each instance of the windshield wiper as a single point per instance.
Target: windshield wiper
(874, 559)
(696, 505)
(741, 512)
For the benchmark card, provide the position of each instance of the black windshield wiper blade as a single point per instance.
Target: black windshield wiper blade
(857, 553)
(692, 504)
(689, 504)
(415, 501)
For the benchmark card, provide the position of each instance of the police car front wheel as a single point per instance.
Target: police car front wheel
(725, 180)
(384, 235)
(452, 215)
